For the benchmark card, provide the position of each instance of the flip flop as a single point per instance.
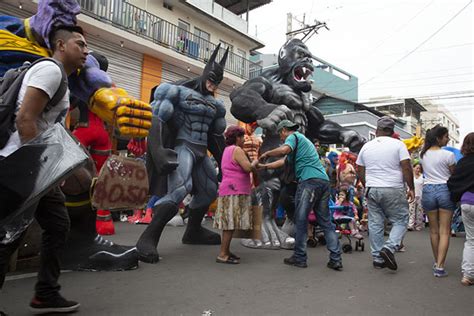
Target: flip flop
(233, 255)
(229, 260)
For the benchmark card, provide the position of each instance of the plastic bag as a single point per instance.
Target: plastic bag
(32, 171)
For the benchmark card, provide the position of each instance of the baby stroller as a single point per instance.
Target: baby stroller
(342, 227)
(315, 233)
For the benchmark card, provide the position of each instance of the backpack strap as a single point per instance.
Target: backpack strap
(63, 86)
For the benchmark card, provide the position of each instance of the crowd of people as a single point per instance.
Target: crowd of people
(383, 186)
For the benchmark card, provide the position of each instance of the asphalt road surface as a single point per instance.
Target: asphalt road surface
(188, 281)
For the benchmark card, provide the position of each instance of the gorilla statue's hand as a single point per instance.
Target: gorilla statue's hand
(352, 140)
(284, 94)
(130, 116)
(280, 113)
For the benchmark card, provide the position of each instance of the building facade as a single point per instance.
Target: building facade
(408, 110)
(439, 114)
(152, 41)
(365, 123)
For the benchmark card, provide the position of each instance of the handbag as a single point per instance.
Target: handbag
(256, 231)
(289, 172)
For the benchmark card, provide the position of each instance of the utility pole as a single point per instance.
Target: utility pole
(305, 29)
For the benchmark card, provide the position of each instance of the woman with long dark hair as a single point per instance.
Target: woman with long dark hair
(438, 165)
(234, 203)
(461, 185)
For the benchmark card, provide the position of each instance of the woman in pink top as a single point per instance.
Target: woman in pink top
(234, 202)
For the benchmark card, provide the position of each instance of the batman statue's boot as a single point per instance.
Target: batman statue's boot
(146, 245)
(86, 250)
(195, 234)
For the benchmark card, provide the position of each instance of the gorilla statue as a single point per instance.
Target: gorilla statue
(275, 95)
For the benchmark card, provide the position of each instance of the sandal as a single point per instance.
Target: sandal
(230, 260)
(233, 255)
(467, 281)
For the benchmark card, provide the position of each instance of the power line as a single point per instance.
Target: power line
(416, 48)
(401, 28)
(435, 95)
(427, 78)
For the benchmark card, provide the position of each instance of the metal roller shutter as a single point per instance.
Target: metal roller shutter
(171, 73)
(125, 65)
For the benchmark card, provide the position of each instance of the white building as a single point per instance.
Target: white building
(439, 114)
(152, 41)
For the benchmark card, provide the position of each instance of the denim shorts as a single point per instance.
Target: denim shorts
(436, 196)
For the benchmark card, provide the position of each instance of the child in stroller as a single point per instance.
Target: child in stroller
(344, 213)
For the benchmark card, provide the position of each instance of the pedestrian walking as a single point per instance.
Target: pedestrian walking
(384, 168)
(39, 86)
(312, 192)
(438, 165)
(461, 185)
(416, 220)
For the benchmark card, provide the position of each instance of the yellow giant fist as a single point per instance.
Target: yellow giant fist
(130, 116)
(413, 143)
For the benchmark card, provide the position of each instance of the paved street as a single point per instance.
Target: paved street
(188, 282)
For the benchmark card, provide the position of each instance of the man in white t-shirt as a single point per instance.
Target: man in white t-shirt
(40, 84)
(384, 168)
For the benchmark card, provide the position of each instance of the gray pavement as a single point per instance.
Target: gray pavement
(188, 281)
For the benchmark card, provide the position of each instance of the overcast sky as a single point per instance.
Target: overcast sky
(396, 48)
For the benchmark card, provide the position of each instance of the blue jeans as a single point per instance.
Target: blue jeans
(311, 193)
(390, 203)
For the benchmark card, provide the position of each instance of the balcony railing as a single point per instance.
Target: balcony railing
(142, 23)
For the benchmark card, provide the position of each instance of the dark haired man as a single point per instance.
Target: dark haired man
(312, 192)
(383, 168)
(39, 86)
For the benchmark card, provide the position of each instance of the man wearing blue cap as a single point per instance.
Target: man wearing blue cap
(312, 190)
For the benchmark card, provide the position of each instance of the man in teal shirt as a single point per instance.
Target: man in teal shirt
(312, 190)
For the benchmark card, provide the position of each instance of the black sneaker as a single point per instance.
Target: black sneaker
(335, 265)
(388, 258)
(379, 264)
(54, 305)
(291, 261)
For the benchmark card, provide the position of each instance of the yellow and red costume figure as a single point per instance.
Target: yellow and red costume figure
(24, 40)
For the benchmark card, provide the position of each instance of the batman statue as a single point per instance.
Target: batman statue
(277, 94)
(187, 122)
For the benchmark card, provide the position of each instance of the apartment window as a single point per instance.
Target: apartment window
(242, 53)
(203, 39)
(224, 45)
(202, 34)
(183, 29)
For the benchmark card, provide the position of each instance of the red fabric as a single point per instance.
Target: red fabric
(104, 226)
(95, 136)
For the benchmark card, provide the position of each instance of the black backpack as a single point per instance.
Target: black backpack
(10, 85)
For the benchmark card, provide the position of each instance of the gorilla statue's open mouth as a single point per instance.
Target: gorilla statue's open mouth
(300, 76)
(302, 73)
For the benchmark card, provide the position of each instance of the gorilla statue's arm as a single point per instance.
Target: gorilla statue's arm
(249, 102)
(329, 132)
